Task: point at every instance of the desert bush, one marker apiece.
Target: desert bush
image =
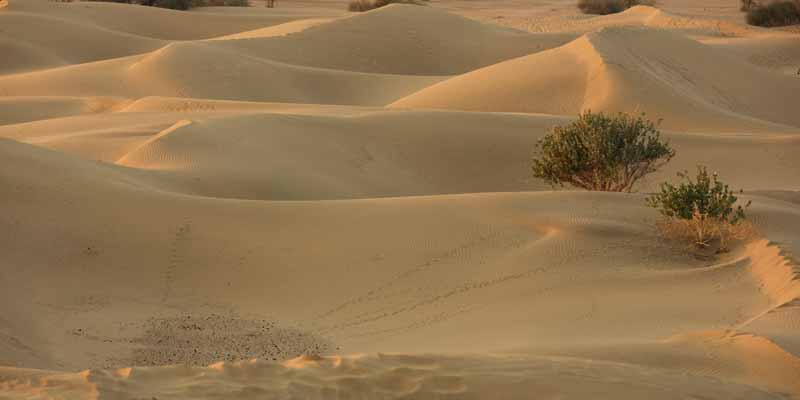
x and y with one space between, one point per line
702 210
605 7
182 4
366 5
224 3
776 13
601 152
175 4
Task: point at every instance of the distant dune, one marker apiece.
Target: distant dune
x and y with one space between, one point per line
301 202
423 41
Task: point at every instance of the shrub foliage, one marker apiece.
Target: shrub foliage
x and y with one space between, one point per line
705 205
601 152
775 13
605 7
182 4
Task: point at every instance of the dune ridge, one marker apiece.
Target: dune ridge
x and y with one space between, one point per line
780 277
16 110
362 43
173 71
355 149
395 375
617 69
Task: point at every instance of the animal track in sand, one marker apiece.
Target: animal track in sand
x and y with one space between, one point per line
490 238
175 261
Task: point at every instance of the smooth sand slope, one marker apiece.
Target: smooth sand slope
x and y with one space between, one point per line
85 32
590 271
668 76
268 153
200 69
400 39
14 110
218 204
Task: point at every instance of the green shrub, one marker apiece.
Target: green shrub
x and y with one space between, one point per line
366 5
705 208
777 13
601 152
605 7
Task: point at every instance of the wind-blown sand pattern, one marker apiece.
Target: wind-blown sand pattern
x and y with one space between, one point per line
302 202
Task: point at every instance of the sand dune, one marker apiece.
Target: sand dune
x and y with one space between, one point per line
264 202
778 53
620 69
150 22
276 30
359 152
65 42
86 32
420 41
390 375
464 270
16 110
200 70
651 17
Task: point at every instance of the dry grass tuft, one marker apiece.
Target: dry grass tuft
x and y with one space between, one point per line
707 234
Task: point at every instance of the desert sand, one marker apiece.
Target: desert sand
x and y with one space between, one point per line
302 202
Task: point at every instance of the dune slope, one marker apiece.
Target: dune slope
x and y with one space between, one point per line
273 152
463 270
201 70
622 69
399 39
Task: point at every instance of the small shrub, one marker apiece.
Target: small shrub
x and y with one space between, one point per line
181 4
776 13
360 5
224 3
175 4
366 5
701 210
605 7
600 152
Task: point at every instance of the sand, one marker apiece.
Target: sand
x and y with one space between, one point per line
301 202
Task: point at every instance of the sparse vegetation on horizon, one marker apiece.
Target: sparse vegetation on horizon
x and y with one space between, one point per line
366 5
182 4
601 152
605 7
747 5
702 210
773 13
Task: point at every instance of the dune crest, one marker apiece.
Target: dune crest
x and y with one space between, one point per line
427 41
396 375
619 69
